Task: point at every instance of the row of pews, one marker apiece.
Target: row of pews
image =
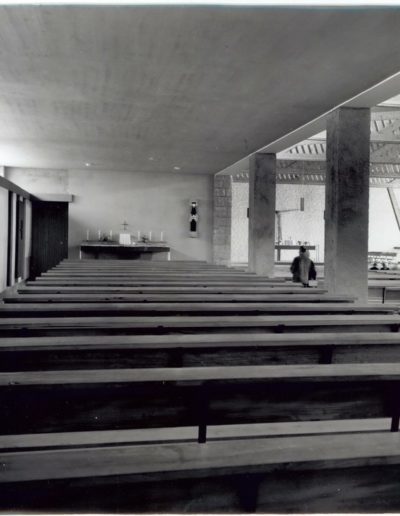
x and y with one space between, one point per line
132 386
383 285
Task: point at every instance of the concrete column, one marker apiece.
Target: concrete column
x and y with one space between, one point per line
262 192
222 220
346 202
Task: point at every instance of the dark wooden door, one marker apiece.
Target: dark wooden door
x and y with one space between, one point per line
20 239
10 255
49 235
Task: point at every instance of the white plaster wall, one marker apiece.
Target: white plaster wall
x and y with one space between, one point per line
148 202
383 230
384 234
3 237
304 226
37 180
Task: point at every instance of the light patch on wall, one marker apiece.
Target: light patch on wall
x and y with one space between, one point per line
308 226
297 225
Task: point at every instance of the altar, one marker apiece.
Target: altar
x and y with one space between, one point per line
113 250
291 247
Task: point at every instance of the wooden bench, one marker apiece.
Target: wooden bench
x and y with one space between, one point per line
391 294
138 351
37 469
176 308
154 273
377 288
155 281
26 326
232 289
43 401
301 474
166 266
177 297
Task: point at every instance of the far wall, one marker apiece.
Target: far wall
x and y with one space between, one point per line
102 200
309 225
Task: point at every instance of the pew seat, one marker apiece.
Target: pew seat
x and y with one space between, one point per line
25 326
135 282
157 274
188 289
176 297
104 399
174 308
343 472
145 351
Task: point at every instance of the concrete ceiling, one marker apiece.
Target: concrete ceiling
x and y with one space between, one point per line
161 89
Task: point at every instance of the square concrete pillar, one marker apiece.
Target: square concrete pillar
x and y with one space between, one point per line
346 202
222 220
262 193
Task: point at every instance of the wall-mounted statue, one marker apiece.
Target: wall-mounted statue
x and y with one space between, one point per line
193 220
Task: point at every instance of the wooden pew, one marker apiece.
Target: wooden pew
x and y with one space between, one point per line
276 475
377 289
232 289
110 261
33 472
176 308
145 351
160 397
179 298
391 294
152 273
120 265
191 324
155 281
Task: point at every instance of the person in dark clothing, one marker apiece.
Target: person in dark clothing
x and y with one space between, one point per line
303 268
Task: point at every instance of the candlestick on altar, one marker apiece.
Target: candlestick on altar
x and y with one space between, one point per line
162 236
87 235
138 234
110 234
150 235
99 234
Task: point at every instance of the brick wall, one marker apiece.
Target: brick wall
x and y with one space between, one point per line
222 219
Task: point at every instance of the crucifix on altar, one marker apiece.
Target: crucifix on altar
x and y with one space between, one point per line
125 237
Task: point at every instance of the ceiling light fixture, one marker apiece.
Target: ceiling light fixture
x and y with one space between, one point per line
177 168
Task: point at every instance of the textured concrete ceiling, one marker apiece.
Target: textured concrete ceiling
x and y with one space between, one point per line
159 89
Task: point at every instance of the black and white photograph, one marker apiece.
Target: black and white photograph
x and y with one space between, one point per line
199 257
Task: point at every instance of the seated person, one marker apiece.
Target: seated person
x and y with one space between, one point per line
303 268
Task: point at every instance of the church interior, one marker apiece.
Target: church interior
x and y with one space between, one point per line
199 258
